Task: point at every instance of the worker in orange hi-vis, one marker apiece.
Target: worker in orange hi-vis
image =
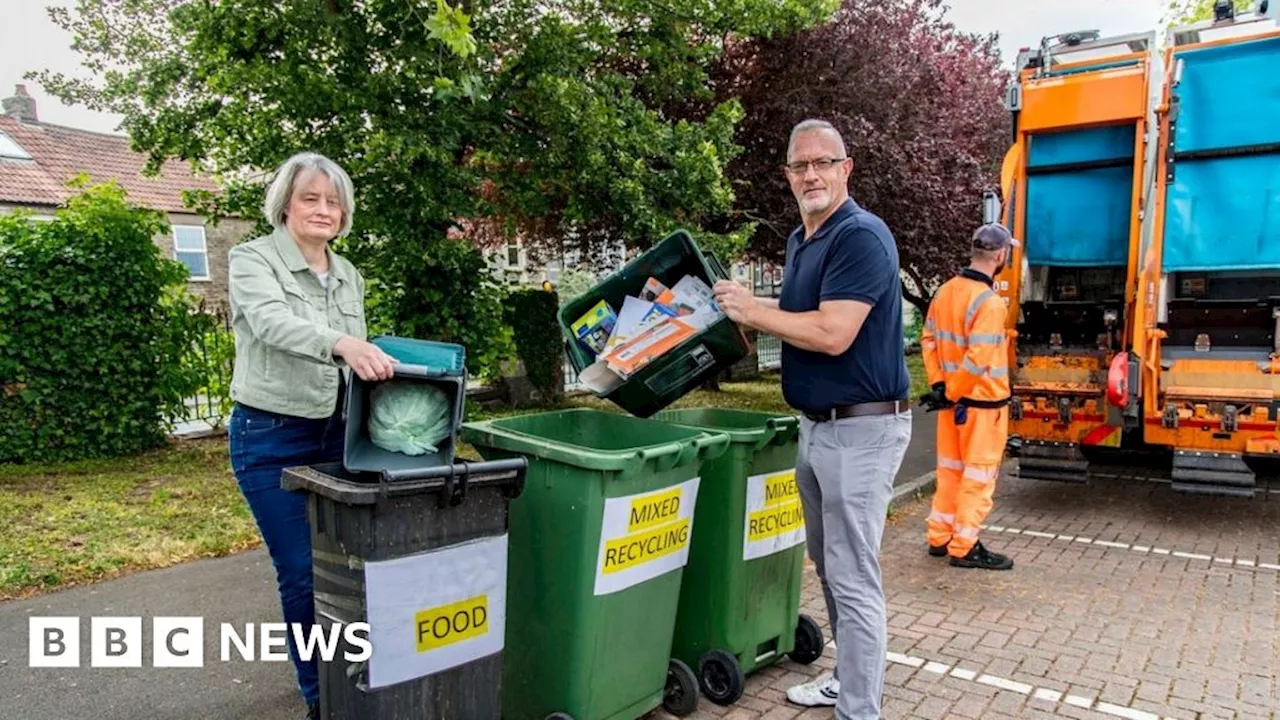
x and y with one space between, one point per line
966 356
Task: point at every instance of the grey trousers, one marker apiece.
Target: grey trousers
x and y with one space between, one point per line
845 470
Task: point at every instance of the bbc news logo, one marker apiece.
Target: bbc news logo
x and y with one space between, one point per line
178 642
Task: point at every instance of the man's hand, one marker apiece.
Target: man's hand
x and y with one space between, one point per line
936 398
366 359
736 301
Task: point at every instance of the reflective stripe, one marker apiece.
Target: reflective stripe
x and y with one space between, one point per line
973 369
949 367
950 463
951 338
944 518
976 304
982 475
965 532
931 324
985 339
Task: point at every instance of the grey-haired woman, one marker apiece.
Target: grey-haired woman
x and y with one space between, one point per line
297 312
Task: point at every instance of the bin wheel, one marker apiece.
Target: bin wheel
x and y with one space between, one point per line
559 716
680 697
721 677
809 641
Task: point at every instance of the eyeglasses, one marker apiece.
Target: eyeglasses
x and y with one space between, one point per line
821 165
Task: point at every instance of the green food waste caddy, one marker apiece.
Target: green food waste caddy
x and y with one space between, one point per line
598 542
740 599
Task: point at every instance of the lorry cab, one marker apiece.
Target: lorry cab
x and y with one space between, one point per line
1207 340
1072 186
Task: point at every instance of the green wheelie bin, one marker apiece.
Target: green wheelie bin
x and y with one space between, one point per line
740 600
598 543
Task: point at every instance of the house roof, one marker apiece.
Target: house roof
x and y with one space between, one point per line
59 153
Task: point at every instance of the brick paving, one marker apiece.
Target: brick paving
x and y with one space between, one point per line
1077 629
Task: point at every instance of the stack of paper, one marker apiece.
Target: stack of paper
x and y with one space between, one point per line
643 329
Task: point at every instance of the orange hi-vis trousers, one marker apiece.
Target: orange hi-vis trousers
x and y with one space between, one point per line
969 459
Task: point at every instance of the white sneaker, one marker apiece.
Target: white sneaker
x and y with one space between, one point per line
822 692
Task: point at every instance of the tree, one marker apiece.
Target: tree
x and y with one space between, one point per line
538 116
1184 12
919 105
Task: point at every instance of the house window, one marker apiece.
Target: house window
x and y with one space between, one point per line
189 248
513 254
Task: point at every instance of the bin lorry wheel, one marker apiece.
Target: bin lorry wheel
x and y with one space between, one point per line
680 697
559 716
721 677
809 641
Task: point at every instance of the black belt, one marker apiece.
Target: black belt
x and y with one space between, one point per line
988 404
887 407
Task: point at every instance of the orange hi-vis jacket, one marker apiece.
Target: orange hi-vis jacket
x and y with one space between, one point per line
964 342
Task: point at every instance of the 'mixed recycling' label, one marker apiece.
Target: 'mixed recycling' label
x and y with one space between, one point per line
435 610
644 536
775 517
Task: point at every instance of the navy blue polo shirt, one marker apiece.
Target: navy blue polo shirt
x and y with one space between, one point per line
853 256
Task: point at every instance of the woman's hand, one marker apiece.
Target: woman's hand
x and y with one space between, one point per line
368 360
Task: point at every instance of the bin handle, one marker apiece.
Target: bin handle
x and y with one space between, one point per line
717 268
785 428
664 457
710 447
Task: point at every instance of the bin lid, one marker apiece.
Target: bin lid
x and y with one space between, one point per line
742 426
440 358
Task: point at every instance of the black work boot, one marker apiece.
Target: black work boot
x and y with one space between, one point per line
938 550
980 557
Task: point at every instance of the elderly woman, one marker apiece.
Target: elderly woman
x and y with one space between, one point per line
298 314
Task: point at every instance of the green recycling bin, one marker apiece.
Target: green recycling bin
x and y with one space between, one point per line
598 542
740 599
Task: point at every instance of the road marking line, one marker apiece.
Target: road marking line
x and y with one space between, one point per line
1043 694
901 659
1003 684
1237 562
1126 712
1052 696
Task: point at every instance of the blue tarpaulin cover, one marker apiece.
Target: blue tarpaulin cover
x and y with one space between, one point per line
1080 217
1223 213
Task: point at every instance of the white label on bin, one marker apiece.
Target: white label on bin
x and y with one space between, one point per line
644 536
435 610
775 518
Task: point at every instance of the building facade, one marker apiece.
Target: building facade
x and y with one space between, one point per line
38 159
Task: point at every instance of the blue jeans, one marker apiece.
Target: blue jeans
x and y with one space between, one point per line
262 444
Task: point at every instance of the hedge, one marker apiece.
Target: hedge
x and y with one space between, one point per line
94 325
532 316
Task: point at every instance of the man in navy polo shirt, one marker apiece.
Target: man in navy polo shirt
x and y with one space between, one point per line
840 321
